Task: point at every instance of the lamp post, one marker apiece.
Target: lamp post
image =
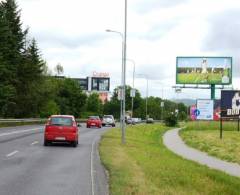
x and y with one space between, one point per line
121 87
123 80
133 62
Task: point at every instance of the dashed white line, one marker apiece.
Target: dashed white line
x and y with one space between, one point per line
12 153
21 131
36 142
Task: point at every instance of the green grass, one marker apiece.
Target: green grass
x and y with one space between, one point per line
145 166
205 137
199 78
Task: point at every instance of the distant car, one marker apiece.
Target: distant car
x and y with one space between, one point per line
108 120
94 121
61 128
150 120
135 121
128 121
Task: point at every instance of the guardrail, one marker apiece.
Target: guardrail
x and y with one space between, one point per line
32 120
21 120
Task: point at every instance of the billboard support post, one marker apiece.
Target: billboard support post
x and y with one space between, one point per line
212 91
221 128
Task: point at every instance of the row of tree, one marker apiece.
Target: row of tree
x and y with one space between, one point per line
27 89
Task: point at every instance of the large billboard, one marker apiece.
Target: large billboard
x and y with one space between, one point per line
230 104
204 70
205 108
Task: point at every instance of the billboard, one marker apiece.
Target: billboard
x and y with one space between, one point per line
100 84
217 110
205 108
204 70
192 112
230 103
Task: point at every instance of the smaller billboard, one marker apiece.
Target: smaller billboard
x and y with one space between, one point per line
204 70
217 110
230 103
205 108
192 112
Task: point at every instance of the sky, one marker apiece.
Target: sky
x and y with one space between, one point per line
73 33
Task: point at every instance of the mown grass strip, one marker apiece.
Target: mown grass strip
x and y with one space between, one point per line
144 166
205 137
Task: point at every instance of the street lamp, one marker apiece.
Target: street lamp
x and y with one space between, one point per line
121 87
123 80
132 81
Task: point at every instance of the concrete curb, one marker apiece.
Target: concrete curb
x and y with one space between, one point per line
174 142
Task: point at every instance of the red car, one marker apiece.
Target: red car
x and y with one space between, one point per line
61 128
94 121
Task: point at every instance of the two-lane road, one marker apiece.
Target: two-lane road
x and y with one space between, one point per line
29 168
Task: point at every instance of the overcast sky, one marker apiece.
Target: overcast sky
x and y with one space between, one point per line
73 33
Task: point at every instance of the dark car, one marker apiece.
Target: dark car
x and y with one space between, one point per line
61 128
94 121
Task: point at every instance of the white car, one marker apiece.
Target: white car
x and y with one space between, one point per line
108 120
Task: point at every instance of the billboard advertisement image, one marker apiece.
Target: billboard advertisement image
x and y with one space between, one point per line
230 104
205 108
204 70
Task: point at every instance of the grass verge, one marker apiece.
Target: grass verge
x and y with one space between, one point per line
205 137
144 166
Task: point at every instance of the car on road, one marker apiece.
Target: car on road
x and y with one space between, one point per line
94 121
150 120
108 120
61 128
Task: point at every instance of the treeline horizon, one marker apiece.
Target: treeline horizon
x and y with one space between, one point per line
28 88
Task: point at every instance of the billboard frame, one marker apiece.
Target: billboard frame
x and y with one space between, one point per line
214 57
212 100
232 118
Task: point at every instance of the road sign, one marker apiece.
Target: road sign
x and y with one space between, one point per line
162 104
120 94
132 92
196 112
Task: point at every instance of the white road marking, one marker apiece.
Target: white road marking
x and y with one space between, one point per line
36 142
12 153
92 171
17 132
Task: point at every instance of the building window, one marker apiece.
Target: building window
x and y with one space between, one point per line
100 84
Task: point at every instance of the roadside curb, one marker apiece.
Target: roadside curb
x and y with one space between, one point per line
174 142
100 176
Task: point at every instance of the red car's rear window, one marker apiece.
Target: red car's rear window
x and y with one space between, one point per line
94 118
61 121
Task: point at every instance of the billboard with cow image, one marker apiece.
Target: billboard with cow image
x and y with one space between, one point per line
204 70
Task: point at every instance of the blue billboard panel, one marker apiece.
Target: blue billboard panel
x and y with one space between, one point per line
230 103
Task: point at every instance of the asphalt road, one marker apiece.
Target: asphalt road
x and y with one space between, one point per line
29 168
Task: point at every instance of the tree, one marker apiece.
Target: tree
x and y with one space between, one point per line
12 42
70 97
94 104
113 107
30 77
58 69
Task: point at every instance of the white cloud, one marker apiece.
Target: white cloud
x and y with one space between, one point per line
73 33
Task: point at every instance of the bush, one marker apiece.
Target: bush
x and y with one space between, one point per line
49 109
171 120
